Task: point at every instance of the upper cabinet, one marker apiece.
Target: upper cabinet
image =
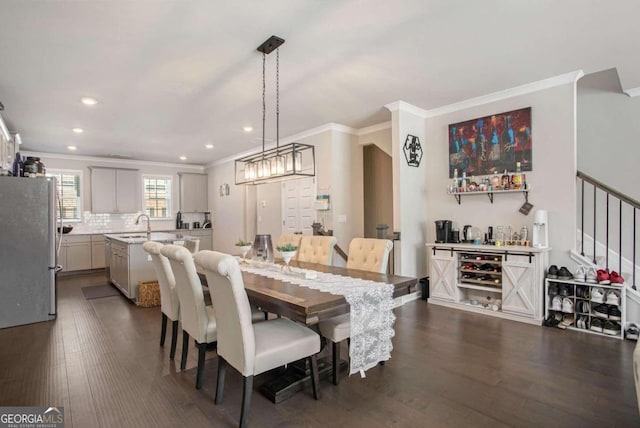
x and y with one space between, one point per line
115 190
193 193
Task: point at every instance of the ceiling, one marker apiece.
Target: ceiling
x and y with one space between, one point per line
174 75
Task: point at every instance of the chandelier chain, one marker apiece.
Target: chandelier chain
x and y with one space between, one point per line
264 105
277 98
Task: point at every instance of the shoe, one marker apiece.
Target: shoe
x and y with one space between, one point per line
580 322
592 275
583 307
551 321
632 332
603 277
580 291
597 295
563 290
553 289
552 272
601 311
596 325
564 273
614 313
581 274
612 328
567 305
556 303
616 278
612 298
567 320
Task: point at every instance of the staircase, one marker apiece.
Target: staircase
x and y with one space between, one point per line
607 235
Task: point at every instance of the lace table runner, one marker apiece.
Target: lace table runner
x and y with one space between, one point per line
371 310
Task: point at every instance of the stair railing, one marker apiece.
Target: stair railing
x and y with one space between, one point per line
623 201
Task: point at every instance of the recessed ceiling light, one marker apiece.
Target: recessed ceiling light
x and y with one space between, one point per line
78 130
88 101
209 146
247 128
183 157
72 148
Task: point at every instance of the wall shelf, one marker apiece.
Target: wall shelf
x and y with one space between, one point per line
458 195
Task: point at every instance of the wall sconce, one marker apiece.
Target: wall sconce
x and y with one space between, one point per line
224 190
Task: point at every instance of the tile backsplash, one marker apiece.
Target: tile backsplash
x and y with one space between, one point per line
114 223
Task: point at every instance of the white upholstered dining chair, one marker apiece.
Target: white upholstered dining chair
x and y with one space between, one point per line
251 348
193 245
366 254
198 320
169 302
316 249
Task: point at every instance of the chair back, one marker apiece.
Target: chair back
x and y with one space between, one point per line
290 239
316 249
194 316
236 340
369 254
169 303
193 245
636 370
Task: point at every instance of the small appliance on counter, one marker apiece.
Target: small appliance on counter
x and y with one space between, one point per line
179 220
443 231
540 230
467 235
207 221
196 225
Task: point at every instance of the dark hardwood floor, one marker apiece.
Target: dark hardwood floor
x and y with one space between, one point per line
102 361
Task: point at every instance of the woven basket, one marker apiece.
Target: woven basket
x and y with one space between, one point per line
148 294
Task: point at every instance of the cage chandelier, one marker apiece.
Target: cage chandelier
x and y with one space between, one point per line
293 160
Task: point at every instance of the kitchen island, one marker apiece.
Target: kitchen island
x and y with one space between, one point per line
127 264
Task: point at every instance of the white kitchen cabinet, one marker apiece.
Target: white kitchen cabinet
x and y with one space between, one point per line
130 265
115 190
520 295
75 253
193 193
97 252
205 236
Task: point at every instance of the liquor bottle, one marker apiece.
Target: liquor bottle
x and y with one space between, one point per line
517 177
455 184
505 181
463 184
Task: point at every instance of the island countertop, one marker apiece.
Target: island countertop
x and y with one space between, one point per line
141 237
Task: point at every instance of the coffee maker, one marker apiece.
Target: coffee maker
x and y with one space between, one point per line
540 233
443 231
207 221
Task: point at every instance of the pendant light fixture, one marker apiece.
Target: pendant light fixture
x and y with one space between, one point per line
293 160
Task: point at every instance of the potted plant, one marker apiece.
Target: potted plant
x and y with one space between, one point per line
244 247
287 251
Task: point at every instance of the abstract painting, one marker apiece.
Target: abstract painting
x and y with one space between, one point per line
491 144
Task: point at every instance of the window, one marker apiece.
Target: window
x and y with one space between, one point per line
70 202
157 197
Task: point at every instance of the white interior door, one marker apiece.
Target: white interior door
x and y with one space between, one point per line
298 209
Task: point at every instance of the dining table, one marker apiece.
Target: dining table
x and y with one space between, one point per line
309 306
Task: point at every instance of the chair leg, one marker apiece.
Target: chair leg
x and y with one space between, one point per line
222 365
246 400
202 350
185 349
335 362
315 378
174 339
163 331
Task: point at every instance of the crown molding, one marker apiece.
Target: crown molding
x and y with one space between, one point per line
633 92
373 128
527 88
111 160
406 107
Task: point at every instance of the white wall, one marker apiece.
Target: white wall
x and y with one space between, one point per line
381 138
552 180
409 195
269 209
608 132
119 222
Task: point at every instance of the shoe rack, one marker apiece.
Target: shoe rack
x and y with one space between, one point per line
572 290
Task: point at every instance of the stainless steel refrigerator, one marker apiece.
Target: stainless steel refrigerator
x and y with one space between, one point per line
27 250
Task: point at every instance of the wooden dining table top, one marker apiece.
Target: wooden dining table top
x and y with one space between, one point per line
307 305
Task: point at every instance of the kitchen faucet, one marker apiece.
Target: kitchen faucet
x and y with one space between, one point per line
148 225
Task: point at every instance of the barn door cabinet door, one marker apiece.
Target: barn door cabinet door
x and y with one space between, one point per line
443 276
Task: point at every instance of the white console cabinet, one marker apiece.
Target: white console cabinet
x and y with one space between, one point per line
506 282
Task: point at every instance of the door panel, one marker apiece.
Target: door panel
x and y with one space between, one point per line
298 209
